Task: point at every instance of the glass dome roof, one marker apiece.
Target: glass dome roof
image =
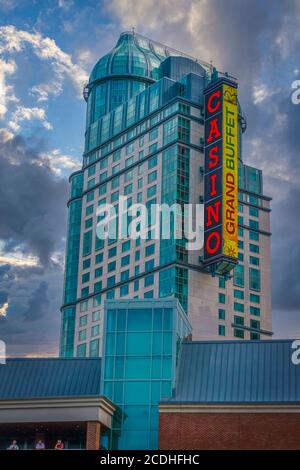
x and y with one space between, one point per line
133 55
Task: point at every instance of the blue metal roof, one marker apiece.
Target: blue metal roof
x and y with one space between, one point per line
237 372
49 377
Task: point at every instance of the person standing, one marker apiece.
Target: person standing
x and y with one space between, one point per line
40 445
59 445
13 445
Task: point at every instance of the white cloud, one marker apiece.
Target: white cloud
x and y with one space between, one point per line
3 309
5 135
58 162
21 261
6 91
65 4
42 91
260 93
28 114
13 40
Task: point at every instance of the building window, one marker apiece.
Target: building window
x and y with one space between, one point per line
254 260
150 250
152 162
116 155
254 279
149 265
124 290
85 292
253 248
152 176
149 280
222 282
95 331
90 196
254 311
149 294
128 189
84 306
82 335
238 320
96 315
239 333
254 236
97 300
238 307
254 336
85 278
98 272
82 321
111 281
238 276
125 260
94 348
81 350
238 294
102 176
112 252
153 134
255 324
126 246
253 211
111 266
129 148
125 275
89 209
86 263
151 191
254 224
99 258
222 298
102 189
115 182
241 244
254 298
222 314
97 287
222 330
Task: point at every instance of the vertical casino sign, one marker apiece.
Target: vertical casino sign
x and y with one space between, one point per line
221 176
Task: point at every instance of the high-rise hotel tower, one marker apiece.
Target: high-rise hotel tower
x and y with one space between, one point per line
145 140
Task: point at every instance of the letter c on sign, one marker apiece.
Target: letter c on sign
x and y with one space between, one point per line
213 107
212 243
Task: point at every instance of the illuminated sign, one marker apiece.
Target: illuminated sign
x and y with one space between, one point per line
221 175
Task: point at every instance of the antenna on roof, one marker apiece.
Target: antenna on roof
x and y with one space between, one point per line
132 30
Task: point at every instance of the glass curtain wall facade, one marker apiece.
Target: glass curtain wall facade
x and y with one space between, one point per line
141 346
147 145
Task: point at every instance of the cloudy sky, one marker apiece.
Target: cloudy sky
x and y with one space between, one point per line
47 50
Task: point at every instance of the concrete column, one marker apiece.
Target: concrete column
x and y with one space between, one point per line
93 432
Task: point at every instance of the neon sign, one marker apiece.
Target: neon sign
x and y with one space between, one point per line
221 176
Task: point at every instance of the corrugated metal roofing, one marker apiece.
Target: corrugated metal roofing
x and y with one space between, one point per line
49 377
237 372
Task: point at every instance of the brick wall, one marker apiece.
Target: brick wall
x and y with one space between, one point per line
93 435
229 431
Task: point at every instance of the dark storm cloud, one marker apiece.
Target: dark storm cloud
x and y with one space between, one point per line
33 318
38 303
32 201
32 220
